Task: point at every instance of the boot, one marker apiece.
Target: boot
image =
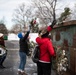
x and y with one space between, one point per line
23 73
2 67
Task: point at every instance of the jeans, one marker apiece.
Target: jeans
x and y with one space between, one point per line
22 60
43 68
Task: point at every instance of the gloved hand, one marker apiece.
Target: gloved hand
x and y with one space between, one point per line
29 28
54 57
53 23
28 31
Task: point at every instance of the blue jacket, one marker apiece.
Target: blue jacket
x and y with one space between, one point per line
23 42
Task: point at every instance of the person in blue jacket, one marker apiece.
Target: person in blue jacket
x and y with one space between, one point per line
23 51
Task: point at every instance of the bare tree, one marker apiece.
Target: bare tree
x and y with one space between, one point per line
15 29
3 20
21 15
3 29
46 10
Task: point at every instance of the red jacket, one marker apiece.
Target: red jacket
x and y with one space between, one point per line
2 43
46 49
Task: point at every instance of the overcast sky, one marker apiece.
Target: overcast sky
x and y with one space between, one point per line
7 8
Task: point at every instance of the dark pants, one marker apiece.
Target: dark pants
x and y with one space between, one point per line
2 58
43 68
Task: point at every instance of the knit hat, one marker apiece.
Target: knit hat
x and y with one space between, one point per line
1 34
20 35
44 32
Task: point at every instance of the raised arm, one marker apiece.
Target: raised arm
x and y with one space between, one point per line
26 35
50 27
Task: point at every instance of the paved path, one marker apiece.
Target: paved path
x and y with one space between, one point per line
12 61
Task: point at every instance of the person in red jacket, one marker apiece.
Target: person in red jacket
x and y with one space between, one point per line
46 51
2 43
2 54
